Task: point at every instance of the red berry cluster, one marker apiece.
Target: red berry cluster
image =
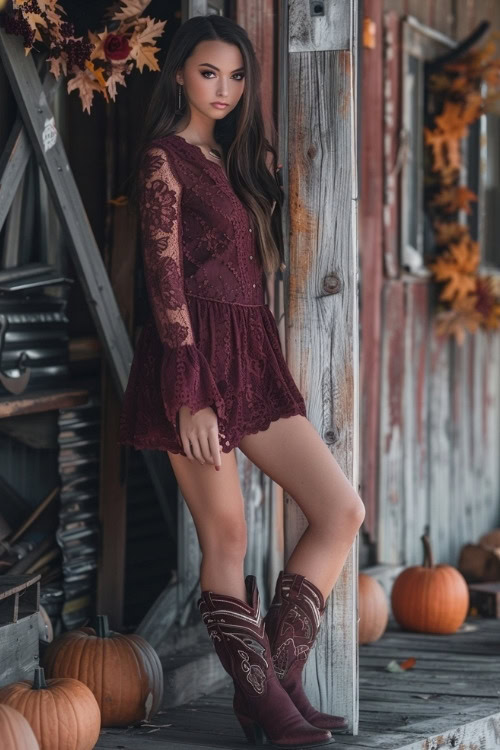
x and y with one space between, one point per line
67 29
77 51
15 23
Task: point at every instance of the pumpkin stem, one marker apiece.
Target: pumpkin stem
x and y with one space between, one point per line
39 680
428 559
102 626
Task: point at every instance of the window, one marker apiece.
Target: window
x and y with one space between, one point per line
419 43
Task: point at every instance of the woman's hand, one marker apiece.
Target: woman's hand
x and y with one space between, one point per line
200 435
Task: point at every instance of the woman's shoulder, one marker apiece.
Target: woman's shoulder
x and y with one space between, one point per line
165 153
173 143
165 142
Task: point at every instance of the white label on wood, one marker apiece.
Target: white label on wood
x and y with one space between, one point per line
49 135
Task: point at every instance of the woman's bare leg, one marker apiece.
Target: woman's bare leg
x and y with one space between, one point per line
216 503
293 454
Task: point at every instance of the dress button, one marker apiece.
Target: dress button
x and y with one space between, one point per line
250 230
253 284
250 256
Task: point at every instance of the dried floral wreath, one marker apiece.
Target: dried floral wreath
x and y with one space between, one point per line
469 299
95 62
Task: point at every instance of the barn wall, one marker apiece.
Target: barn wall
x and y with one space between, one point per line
434 465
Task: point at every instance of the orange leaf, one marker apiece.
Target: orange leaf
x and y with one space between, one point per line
408 663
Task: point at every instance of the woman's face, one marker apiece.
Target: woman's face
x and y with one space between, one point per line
213 73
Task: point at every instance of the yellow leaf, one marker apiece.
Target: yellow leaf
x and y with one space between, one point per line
145 56
131 8
97 73
98 51
122 200
35 18
151 31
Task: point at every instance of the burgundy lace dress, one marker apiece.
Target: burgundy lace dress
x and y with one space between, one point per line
211 339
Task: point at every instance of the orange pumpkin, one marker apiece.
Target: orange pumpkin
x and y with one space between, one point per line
124 672
430 598
62 712
373 609
15 731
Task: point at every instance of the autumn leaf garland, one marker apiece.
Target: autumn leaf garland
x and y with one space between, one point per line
97 62
469 300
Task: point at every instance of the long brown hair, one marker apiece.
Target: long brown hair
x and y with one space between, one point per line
241 133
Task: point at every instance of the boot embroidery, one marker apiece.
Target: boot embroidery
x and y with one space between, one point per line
252 644
257 648
286 655
255 675
292 619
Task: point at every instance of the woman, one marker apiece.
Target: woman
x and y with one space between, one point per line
209 374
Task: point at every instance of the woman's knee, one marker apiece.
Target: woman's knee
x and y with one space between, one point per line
350 513
225 537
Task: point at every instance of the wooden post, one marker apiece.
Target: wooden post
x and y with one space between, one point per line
319 70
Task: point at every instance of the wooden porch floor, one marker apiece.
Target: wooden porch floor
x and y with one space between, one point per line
449 699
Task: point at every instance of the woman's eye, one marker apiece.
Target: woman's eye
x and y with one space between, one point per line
211 71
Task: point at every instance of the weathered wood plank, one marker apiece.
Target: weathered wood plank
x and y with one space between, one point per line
393 143
371 256
439 489
415 420
19 649
322 335
391 467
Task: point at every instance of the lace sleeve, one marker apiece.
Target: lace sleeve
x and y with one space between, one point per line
186 378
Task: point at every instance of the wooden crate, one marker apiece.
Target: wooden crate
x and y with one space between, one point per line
19 607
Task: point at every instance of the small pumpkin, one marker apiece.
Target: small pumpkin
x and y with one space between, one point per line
124 672
373 609
15 731
62 712
430 598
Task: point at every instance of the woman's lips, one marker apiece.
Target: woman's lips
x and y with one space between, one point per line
219 106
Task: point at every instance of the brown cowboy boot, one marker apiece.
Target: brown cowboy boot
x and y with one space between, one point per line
292 624
261 705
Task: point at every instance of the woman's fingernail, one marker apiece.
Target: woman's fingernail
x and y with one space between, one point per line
217 468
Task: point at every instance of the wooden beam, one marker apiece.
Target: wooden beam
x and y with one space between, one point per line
321 299
41 401
17 152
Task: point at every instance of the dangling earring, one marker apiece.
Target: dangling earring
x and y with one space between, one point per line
179 103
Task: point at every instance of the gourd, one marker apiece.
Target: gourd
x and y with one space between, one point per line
373 609
62 712
124 672
15 731
430 598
